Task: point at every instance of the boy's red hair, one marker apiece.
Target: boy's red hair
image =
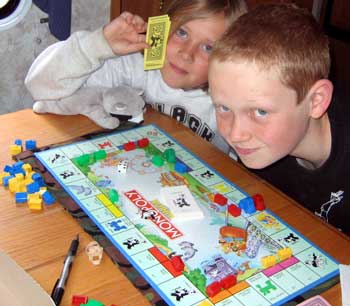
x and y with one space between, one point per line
280 37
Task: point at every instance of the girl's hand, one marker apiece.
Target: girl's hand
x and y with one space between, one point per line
125 34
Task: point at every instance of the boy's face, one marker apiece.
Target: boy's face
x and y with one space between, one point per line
256 113
188 49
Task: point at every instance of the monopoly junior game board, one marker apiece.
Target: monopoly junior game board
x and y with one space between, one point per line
195 237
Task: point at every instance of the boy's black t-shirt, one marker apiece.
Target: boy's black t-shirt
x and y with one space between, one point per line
326 190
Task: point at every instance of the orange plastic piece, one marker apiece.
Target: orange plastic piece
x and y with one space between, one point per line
233 232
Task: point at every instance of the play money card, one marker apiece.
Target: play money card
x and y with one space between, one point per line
157 37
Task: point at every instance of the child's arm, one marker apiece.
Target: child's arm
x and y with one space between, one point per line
66 66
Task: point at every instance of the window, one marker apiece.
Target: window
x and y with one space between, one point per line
12 12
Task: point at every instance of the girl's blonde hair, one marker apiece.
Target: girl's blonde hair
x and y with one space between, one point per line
182 11
282 38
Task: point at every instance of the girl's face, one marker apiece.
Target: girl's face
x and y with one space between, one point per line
188 49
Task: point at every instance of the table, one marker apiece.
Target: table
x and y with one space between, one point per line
38 242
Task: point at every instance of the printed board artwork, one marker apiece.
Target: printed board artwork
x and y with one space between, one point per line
227 251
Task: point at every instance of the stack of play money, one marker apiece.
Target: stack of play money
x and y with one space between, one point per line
157 37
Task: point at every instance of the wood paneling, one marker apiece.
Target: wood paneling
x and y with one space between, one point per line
302 3
144 8
115 8
340 16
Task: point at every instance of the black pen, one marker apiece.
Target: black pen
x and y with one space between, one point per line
58 290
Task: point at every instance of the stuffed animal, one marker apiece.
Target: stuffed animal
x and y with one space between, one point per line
105 106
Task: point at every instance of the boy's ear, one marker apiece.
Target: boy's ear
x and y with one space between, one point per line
320 97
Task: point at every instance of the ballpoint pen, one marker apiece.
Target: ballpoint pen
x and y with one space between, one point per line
58 289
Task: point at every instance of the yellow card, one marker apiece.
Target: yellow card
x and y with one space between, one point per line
157 37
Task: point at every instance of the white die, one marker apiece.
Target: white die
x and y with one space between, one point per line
122 166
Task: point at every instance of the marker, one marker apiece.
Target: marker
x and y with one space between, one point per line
58 289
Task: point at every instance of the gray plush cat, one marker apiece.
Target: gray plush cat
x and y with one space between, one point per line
105 106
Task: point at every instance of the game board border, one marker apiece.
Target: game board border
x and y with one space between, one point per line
290 297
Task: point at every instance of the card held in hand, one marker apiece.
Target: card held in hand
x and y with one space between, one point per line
157 37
